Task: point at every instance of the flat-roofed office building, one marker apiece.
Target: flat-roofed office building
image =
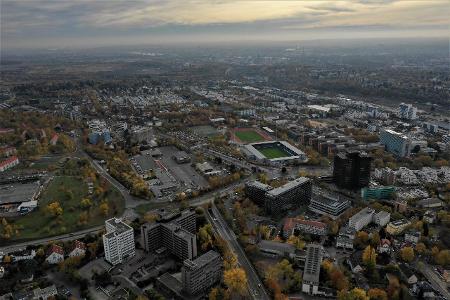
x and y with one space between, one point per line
329 206
278 200
202 273
314 255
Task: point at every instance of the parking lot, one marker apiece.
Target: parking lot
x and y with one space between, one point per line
184 175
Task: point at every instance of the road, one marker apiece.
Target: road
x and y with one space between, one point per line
61 238
434 279
254 282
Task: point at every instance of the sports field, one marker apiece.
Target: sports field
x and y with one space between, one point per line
273 152
249 136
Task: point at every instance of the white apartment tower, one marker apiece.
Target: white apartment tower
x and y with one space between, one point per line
118 241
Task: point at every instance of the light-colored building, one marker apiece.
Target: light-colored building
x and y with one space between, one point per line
118 241
381 218
366 216
78 249
395 143
329 206
361 219
55 255
397 227
407 111
345 238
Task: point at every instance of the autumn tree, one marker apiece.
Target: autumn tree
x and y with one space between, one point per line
407 254
104 208
83 218
377 294
369 256
236 281
421 248
229 260
55 209
296 241
205 235
443 257
361 239
86 203
335 275
218 294
354 294
151 217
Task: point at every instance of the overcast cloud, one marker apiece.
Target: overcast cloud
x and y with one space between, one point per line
87 23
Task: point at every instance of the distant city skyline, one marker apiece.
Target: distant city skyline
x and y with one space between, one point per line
88 24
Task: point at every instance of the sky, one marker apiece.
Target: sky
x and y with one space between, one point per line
42 24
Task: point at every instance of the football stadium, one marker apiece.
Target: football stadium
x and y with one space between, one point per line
275 152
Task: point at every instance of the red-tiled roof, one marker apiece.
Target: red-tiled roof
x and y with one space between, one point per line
8 161
385 241
290 223
54 138
56 249
78 245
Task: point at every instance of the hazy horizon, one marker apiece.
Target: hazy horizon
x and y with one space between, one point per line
28 25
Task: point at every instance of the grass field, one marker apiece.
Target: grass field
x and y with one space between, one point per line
249 136
273 152
68 191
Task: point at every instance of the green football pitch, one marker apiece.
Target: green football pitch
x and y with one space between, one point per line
273 152
249 136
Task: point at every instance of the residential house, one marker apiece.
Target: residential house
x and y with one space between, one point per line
355 262
55 255
384 246
78 249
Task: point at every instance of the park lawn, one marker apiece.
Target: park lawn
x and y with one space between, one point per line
272 153
68 191
249 136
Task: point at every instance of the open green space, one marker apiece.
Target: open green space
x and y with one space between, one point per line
144 208
249 136
273 152
68 191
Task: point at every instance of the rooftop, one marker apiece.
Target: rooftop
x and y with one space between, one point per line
202 260
312 264
119 225
18 192
288 186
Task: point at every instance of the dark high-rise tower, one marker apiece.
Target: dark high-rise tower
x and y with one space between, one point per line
351 170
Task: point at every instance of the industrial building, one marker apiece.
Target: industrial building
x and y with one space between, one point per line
314 255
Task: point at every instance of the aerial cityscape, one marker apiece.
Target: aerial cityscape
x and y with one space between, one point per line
224 150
